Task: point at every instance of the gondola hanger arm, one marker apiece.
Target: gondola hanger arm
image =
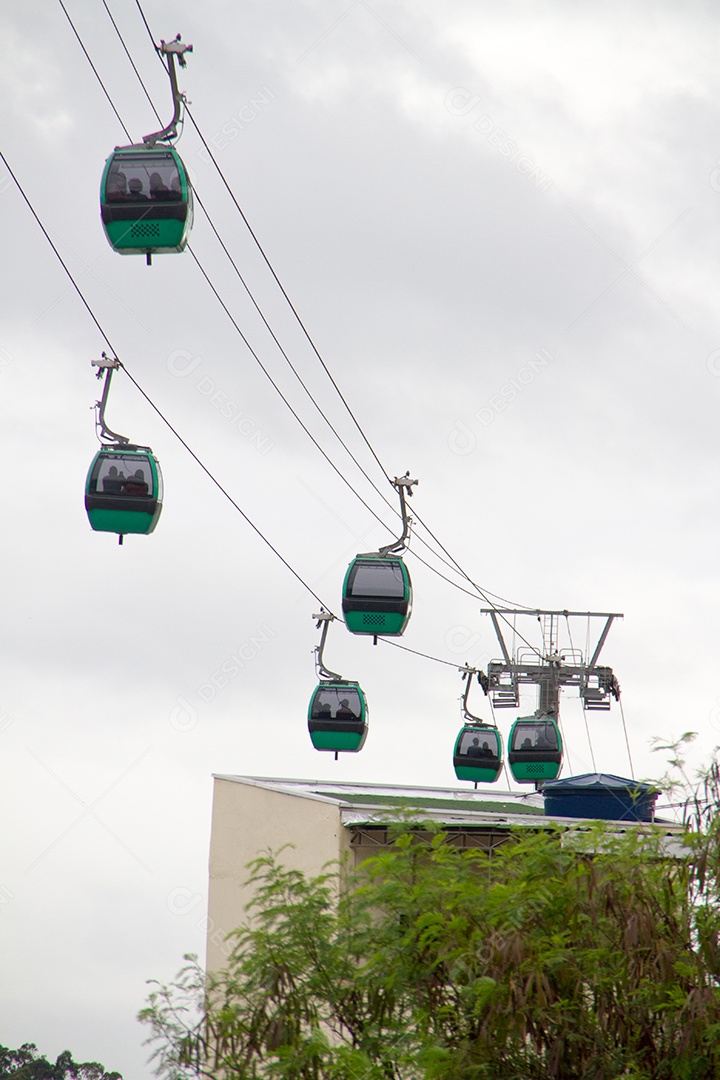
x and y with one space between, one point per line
324 618
106 366
175 48
401 485
467 673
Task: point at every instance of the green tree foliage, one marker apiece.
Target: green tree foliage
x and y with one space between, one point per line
560 955
26 1064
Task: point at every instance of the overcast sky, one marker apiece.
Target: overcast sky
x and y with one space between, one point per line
499 223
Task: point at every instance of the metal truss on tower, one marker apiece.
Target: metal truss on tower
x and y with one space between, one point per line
550 668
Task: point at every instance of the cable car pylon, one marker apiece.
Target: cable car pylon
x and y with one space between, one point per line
124 487
377 590
337 713
535 745
145 196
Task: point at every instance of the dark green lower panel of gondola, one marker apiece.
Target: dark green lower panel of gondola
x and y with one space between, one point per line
338 717
535 749
149 234
124 492
478 754
377 596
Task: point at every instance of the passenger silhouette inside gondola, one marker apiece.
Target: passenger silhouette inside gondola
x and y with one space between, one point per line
136 190
475 749
345 712
117 187
158 190
136 484
112 483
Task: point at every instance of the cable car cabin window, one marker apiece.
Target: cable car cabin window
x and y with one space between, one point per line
138 178
377 579
539 736
479 744
119 475
335 703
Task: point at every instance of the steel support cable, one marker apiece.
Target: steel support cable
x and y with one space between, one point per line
265 321
87 55
452 563
249 291
287 359
135 383
270 267
132 62
462 573
312 343
585 716
565 741
627 741
589 738
95 71
254 354
289 301
317 445
275 386
484 594
325 368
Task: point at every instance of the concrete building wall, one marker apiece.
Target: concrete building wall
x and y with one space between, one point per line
247 820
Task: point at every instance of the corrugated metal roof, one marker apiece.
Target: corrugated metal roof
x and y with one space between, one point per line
388 796
373 804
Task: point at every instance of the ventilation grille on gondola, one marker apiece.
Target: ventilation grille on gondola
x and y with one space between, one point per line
531 767
373 620
145 230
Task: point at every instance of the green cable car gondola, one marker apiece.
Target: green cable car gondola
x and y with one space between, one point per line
146 201
124 487
337 714
535 749
478 754
338 717
377 591
377 595
124 490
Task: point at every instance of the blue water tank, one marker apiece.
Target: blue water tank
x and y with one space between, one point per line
600 796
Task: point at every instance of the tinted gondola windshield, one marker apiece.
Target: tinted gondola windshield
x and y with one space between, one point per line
336 703
376 579
143 178
539 736
115 474
479 744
